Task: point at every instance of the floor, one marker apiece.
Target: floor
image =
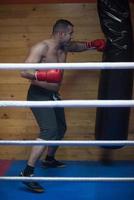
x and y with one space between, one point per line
70 190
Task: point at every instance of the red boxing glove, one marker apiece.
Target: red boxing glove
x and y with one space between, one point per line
50 76
99 44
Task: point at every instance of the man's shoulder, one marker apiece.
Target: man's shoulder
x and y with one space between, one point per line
40 45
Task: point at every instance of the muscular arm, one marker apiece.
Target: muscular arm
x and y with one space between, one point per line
98 44
35 56
74 46
49 86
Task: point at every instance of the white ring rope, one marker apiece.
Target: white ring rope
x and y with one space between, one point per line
69 142
69 103
82 65
100 179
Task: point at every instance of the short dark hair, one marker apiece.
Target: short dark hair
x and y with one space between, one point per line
61 24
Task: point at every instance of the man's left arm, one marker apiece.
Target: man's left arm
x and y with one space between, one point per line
74 46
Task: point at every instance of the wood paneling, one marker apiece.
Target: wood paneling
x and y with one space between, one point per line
48 1
45 1
22 26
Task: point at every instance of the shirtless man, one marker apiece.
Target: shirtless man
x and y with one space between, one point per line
45 86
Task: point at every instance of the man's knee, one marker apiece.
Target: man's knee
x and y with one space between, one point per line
48 134
61 133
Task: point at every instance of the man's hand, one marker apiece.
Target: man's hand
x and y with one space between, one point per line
50 76
98 44
28 74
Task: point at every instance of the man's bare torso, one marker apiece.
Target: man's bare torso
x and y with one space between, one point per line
52 52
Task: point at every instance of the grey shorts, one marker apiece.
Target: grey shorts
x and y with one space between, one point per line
51 121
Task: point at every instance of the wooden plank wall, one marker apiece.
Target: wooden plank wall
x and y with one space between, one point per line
48 1
20 27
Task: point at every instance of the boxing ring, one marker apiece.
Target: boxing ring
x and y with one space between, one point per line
69 103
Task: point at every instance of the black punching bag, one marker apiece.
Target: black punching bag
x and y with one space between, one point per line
112 123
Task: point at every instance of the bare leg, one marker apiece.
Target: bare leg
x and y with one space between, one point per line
29 169
35 154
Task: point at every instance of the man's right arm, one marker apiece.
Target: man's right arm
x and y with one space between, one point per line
34 56
49 86
50 79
